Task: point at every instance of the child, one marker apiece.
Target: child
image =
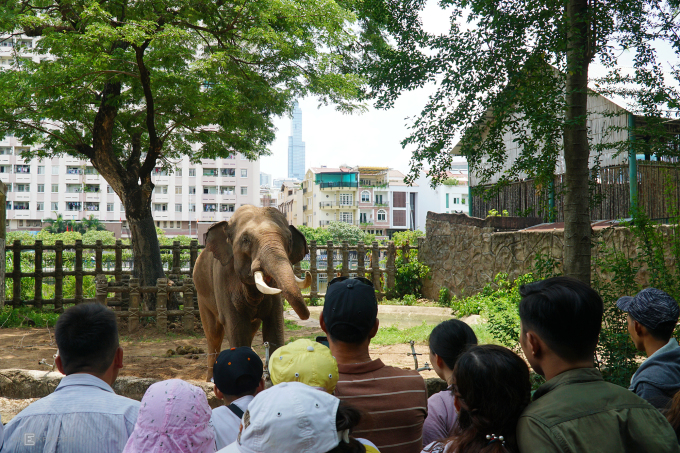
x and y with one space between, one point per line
237 375
447 342
304 361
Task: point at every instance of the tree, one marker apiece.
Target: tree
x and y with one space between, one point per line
524 67
93 224
57 225
133 85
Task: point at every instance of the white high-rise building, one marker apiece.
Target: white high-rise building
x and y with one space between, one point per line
184 201
296 147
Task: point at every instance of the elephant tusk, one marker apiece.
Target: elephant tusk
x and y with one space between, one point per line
304 283
262 286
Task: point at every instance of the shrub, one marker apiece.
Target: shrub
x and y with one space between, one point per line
444 296
409 277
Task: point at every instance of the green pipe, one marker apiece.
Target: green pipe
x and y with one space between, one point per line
632 162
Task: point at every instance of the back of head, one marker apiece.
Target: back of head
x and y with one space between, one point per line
174 417
350 309
238 371
449 339
565 313
304 361
87 338
492 387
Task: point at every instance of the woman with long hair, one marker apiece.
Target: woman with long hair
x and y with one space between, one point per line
491 389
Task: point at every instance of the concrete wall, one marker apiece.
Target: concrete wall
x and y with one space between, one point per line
465 253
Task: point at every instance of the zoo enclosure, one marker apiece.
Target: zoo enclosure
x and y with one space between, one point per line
111 268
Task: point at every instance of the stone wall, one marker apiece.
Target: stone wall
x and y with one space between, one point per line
464 254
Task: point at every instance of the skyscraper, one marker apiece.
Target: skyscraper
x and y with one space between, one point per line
296 147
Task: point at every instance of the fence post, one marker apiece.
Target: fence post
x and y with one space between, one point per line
314 290
375 265
361 259
188 298
118 269
102 286
37 265
406 252
98 256
391 255
16 274
79 271
161 305
345 259
330 267
193 255
3 236
176 252
133 310
59 276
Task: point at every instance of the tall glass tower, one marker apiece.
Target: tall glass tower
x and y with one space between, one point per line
296 147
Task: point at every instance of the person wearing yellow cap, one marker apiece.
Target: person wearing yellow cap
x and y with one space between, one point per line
304 361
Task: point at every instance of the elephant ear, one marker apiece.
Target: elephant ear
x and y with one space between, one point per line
217 241
299 245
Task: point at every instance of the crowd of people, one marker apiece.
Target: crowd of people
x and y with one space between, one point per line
338 399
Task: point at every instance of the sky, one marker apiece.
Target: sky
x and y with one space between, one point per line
370 139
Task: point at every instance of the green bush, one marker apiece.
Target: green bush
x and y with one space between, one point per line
444 298
409 277
27 317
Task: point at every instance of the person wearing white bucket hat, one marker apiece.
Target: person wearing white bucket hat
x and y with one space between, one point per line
292 417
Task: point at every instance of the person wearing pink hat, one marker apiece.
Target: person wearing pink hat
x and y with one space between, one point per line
173 417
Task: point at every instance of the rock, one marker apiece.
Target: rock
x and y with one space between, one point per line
169 353
435 385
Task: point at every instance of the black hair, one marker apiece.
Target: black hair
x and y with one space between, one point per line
566 313
492 387
348 417
663 331
347 334
87 338
449 339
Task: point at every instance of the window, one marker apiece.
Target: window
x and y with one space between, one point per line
462 201
192 190
34 223
69 171
92 188
41 169
226 208
162 207
55 188
178 207
21 205
192 207
160 171
447 201
122 208
192 172
70 188
74 206
9 187
40 206
5 150
55 170
22 187
382 215
209 207
363 217
399 199
109 189
8 205
365 196
160 190
178 190
91 171
210 172
19 169
91 206
5 168
231 156
346 199
228 190
54 206
229 172
209 190
244 191
399 218
178 172
109 207
346 217
244 173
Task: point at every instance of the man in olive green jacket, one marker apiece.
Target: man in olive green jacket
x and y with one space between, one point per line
576 410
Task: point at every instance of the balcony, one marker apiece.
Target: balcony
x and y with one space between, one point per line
337 205
304 207
338 185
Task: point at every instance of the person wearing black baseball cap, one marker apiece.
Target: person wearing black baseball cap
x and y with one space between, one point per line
390 396
237 375
652 317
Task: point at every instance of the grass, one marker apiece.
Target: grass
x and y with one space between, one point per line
396 335
291 325
27 317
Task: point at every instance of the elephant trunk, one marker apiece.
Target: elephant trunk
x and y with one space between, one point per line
275 264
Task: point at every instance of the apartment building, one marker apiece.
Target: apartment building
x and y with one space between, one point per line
290 203
330 194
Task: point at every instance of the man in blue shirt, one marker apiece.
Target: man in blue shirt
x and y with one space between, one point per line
83 415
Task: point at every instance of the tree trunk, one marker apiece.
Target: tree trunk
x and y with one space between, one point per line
576 150
148 266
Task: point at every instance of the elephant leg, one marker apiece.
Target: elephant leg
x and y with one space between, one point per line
272 325
254 326
214 333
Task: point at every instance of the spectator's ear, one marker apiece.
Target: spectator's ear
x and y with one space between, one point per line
322 324
374 330
218 394
59 364
639 329
118 358
261 387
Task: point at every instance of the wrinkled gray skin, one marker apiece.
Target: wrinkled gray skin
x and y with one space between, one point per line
255 239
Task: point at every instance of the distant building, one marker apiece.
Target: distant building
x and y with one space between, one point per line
265 180
290 203
446 198
296 147
330 194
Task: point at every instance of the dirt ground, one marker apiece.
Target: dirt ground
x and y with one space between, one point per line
146 351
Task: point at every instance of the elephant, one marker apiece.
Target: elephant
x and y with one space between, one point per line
241 275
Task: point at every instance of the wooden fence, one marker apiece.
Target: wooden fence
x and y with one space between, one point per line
373 261
658 183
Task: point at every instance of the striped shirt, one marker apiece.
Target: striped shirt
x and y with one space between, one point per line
83 415
394 403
